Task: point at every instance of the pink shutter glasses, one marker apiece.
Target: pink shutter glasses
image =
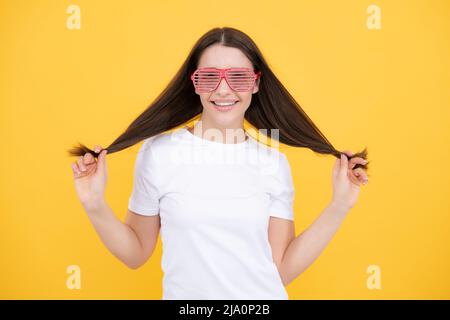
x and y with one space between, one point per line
239 79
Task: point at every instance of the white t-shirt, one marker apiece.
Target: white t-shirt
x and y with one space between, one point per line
214 201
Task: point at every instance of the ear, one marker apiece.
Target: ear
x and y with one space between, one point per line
256 87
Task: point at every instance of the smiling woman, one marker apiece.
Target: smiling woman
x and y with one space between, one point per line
227 229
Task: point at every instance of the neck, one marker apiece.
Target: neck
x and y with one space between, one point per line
220 134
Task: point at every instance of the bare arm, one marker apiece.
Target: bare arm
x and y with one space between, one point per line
281 234
132 241
305 248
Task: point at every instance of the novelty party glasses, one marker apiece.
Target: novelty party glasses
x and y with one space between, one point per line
238 79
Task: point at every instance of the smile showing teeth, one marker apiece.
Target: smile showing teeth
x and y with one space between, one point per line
224 104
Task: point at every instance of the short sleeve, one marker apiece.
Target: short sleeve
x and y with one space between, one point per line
144 198
282 191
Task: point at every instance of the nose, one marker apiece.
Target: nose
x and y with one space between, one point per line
223 86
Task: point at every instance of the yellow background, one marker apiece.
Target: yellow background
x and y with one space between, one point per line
385 89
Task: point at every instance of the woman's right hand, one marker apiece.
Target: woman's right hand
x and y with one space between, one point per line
90 177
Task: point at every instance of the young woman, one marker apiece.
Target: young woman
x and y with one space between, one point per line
226 227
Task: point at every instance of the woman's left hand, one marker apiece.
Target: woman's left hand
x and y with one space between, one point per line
347 181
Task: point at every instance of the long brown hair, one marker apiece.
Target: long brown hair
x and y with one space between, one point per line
272 107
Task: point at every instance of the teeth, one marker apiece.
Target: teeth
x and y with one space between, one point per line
224 104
